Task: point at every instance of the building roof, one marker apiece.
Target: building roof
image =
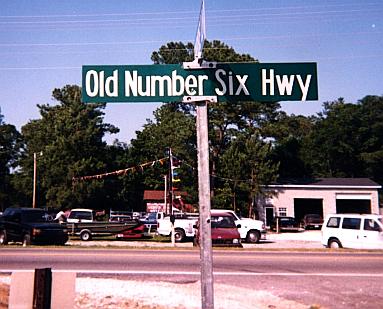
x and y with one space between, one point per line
327 183
158 195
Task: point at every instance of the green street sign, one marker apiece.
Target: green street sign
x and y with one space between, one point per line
263 82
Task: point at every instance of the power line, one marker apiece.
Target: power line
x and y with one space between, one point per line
192 12
212 18
350 57
183 40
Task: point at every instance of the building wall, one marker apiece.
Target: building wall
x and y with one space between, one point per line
284 198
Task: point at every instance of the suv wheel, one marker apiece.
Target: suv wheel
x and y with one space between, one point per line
26 240
253 236
334 244
179 235
3 238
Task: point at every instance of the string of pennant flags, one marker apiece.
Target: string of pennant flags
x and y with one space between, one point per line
121 172
174 171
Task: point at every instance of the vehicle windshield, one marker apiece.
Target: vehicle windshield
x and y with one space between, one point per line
152 216
34 216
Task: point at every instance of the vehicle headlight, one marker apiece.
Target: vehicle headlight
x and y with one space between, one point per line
65 231
36 232
236 241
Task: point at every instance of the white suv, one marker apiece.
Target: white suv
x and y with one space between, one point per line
353 231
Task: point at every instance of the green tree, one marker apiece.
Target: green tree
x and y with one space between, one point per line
288 133
10 147
346 140
246 166
173 129
226 120
70 137
332 147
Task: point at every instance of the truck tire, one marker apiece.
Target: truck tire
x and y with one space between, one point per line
26 240
253 236
85 235
3 238
179 235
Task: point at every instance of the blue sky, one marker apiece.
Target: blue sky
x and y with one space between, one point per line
44 43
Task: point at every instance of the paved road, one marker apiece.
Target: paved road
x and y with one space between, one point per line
331 279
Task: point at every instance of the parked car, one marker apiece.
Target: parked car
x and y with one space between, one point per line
30 226
285 224
224 231
251 231
356 231
312 221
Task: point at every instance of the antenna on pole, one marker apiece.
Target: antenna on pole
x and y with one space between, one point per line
201 34
198 62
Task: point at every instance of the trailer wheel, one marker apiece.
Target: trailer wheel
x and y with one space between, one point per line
85 235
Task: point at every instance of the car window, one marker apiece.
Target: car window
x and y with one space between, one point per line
351 223
222 222
371 225
333 222
82 215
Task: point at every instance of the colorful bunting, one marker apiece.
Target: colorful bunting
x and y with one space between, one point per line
120 172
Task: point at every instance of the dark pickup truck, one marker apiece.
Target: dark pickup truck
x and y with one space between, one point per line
30 226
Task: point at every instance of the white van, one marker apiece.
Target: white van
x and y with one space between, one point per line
353 231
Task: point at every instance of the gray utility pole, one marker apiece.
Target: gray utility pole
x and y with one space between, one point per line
206 252
35 178
207 289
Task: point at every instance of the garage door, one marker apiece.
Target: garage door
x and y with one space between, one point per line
304 206
353 203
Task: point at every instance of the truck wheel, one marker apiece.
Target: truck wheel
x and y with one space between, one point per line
85 236
3 238
253 236
334 243
26 240
179 235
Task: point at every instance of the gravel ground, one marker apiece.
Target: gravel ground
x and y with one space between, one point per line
122 294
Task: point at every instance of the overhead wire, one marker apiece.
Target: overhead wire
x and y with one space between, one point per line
219 20
215 11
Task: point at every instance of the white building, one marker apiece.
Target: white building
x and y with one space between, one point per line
320 196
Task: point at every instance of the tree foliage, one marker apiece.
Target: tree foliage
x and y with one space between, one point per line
226 121
10 148
68 141
347 140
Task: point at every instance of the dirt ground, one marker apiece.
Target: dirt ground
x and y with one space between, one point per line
4 295
120 294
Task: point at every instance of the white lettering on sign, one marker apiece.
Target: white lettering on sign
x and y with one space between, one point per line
96 85
221 74
174 85
285 83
